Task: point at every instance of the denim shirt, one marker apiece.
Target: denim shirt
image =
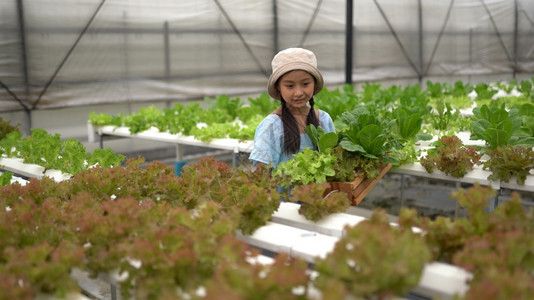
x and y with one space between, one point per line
269 139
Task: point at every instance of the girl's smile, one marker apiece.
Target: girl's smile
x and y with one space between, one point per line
296 88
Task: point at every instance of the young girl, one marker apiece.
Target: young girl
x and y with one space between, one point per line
294 81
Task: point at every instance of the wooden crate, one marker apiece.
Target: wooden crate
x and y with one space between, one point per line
357 189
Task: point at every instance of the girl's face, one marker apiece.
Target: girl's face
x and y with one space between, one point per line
296 88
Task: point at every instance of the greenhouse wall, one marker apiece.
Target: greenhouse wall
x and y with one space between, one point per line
61 54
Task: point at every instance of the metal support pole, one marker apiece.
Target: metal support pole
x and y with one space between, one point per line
235 158
470 51
24 57
497 32
457 207
439 38
401 46
471 45
28 129
167 49
179 152
420 17
241 38
167 58
275 27
179 163
495 200
68 54
402 191
126 60
113 289
348 42
516 34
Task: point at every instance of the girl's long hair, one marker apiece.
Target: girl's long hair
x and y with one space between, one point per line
291 128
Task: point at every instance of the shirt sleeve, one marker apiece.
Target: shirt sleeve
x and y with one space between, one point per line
267 141
325 121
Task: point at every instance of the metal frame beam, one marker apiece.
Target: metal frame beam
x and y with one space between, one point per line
496 29
60 66
312 20
527 16
531 23
439 38
240 36
9 91
394 33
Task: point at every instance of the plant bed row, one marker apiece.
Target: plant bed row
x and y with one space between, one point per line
171 236
43 154
388 125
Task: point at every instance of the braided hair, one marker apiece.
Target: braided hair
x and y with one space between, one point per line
291 128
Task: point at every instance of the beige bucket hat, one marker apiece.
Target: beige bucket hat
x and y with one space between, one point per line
293 59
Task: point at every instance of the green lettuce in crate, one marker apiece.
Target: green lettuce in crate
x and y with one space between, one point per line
310 166
308 173
368 138
305 167
363 133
